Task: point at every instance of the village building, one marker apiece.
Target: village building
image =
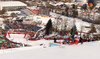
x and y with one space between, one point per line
12 5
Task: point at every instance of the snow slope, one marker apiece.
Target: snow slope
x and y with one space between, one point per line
19 38
88 50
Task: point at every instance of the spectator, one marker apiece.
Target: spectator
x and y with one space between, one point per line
55 40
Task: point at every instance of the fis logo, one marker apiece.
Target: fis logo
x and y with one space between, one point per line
92 3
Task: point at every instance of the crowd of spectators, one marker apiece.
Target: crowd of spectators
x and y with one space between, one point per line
18 25
85 38
30 29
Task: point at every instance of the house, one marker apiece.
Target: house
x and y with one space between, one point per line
12 5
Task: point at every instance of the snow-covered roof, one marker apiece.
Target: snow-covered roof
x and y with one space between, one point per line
60 3
81 2
1 19
69 3
98 5
12 3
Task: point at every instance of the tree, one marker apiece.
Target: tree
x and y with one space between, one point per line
22 0
73 30
93 29
28 4
48 27
97 21
6 21
84 6
13 15
3 11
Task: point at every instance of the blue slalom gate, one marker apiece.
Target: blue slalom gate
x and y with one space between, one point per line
53 44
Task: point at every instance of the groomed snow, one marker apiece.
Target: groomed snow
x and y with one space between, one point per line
89 50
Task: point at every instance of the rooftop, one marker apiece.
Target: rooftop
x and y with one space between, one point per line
12 3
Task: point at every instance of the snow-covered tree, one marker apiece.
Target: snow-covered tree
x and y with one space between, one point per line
3 11
93 29
48 27
75 29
